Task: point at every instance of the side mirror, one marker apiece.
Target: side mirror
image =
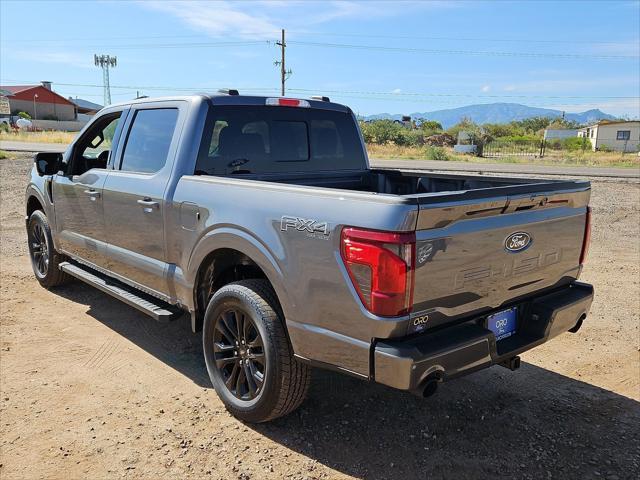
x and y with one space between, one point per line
47 163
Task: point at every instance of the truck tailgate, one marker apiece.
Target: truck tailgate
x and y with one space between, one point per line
477 254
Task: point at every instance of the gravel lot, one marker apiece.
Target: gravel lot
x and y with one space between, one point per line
90 388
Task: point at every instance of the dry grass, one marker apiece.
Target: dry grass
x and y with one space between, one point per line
39 137
591 159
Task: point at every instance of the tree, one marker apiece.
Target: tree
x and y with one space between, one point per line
464 125
382 132
429 125
497 130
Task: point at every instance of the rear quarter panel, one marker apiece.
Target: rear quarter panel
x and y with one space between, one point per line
293 233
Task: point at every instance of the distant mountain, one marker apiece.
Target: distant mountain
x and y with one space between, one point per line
496 113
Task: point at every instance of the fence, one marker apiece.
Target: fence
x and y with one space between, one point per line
534 148
510 148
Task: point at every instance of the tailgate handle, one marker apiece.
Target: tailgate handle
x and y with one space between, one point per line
526 204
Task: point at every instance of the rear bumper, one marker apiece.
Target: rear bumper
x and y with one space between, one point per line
409 363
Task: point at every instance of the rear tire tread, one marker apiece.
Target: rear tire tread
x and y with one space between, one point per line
55 277
294 375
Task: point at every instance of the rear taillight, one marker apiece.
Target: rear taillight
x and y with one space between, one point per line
381 267
286 102
587 237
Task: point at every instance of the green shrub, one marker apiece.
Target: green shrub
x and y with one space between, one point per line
429 127
520 139
554 144
4 128
575 144
381 132
498 130
466 125
3 155
410 138
605 148
24 115
436 153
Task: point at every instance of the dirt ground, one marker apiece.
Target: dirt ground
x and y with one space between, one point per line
90 388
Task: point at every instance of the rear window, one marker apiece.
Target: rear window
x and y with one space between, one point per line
249 139
149 140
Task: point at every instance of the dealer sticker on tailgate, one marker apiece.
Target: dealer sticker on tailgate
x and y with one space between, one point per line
503 324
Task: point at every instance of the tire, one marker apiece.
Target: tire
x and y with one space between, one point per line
280 382
44 258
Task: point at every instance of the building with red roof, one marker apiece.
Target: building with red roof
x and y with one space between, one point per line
40 101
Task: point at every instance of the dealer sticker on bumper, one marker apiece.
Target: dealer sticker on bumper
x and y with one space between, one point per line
503 324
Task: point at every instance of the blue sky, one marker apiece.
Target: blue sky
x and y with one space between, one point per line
376 56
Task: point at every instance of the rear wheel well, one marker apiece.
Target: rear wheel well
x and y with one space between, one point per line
220 268
33 204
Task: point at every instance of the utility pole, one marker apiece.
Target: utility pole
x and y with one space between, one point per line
284 73
105 61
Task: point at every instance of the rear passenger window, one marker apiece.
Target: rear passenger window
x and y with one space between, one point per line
149 140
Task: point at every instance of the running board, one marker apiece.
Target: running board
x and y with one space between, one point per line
155 308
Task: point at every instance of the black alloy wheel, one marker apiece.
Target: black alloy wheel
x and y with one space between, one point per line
45 260
239 354
247 353
39 248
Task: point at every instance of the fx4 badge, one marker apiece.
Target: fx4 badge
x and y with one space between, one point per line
312 228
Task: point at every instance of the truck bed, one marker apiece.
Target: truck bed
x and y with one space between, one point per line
462 221
403 183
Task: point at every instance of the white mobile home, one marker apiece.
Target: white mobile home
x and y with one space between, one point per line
621 136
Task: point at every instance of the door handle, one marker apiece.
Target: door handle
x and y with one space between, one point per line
93 194
148 204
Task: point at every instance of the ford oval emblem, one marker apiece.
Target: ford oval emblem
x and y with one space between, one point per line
517 242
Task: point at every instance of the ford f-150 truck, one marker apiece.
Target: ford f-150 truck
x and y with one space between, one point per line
262 219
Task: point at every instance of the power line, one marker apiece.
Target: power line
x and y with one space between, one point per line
136 46
454 39
467 95
333 34
344 92
454 104
426 51
140 37
137 87
462 52
190 45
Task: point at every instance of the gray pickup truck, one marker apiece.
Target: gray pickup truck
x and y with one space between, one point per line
262 219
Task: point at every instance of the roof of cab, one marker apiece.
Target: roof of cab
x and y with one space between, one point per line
224 99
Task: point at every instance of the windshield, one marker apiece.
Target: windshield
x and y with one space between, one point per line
250 139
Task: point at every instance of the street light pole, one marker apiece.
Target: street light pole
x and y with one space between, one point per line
35 111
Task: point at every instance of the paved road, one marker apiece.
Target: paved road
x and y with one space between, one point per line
32 146
508 168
